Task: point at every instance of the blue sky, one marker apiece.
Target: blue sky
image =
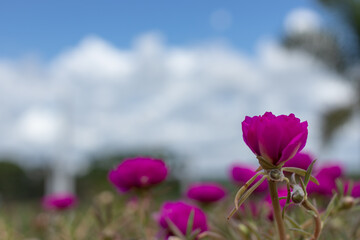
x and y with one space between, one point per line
45 28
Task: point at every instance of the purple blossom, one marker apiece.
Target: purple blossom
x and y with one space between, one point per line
327 180
282 192
178 213
275 138
139 172
206 192
59 201
300 160
355 191
240 174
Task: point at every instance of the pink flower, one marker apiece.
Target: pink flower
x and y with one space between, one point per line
252 207
139 172
240 174
300 160
355 192
327 180
206 192
275 138
178 213
282 192
59 201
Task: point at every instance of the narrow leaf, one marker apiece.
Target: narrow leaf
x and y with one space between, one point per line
303 186
308 173
340 187
174 229
287 200
243 189
292 222
190 223
330 207
300 172
246 195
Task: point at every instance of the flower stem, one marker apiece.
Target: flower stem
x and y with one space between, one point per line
318 225
277 210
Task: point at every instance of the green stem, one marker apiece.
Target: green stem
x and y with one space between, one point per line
277 210
318 225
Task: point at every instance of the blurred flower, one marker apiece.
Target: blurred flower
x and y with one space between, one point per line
178 213
139 172
355 191
282 192
275 138
59 201
300 160
240 174
206 192
252 207
327 180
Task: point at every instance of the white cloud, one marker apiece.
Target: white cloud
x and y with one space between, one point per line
302 20
190 99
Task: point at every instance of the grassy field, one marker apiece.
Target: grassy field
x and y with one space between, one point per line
112 216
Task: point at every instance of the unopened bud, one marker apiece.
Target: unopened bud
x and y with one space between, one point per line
276 175
347 202
297 195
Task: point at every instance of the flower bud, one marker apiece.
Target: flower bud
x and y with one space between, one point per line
276 175
297 195
347 202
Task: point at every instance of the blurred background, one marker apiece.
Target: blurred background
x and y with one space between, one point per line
84 85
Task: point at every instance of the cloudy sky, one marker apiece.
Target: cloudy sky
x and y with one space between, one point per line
83 79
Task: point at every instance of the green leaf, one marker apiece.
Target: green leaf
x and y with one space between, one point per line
246 195
287 200
340 187
308 173
190 223
174 229
350 188
194 234
292 222
299 230
330 207
243 189
300 172
303 186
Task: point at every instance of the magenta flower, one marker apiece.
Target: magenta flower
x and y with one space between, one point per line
252 207
327 180
59 201
178 213
139 172
206 192
282 192
240 174
275 138
300 160
355 192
